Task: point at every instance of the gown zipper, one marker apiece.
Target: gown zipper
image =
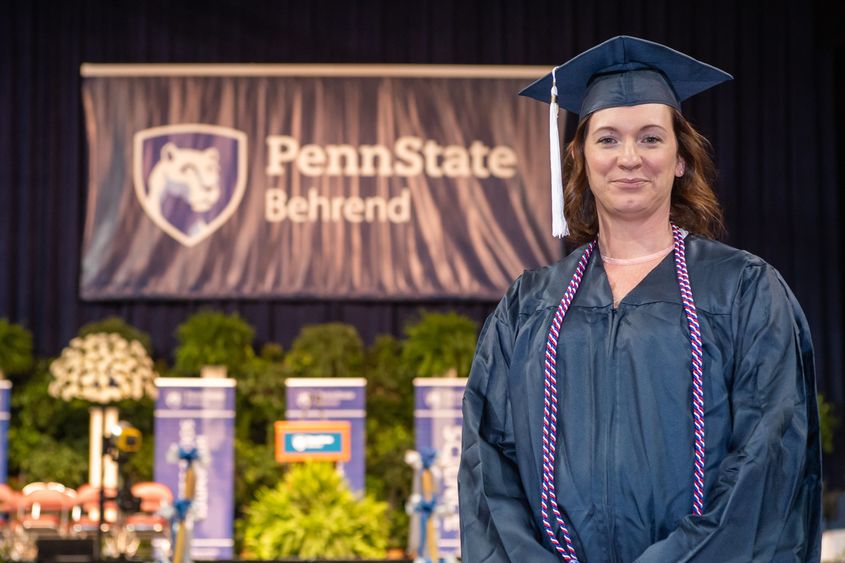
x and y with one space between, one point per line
609 457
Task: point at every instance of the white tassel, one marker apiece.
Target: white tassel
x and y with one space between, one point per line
559 227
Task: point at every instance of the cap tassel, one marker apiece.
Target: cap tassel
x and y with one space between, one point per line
559 227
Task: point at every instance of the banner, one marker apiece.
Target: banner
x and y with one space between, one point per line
5 416
334 398
200 413
438 422
409 182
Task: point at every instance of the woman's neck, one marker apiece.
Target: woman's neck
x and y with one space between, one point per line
627 240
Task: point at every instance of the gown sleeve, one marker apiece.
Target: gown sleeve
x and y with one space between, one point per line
496 520
766 502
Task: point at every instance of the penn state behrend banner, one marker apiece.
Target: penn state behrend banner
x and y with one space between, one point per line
438 421
294 181
334 398
200 413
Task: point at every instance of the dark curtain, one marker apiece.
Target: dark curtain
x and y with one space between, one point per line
775 129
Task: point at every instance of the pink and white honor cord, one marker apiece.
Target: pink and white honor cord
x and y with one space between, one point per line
547 494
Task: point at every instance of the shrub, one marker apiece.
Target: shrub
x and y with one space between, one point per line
439 343
213 338
48 439
326 350
312 514
15 348
390 405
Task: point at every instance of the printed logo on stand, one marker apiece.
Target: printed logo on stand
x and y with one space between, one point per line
190 178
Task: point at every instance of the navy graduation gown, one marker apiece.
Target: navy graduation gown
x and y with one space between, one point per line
625 440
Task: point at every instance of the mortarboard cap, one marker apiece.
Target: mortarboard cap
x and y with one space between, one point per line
622 71
626 71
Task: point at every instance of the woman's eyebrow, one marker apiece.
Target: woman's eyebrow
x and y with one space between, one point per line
612 129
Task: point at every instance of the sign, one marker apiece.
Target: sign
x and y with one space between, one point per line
437 424
334 399
312 441
410 182
200 413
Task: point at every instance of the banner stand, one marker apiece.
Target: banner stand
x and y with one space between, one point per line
200 413
5 416
338 399
438 422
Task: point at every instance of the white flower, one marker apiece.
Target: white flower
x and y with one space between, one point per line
102 368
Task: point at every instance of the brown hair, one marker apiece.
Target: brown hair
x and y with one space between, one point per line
694 206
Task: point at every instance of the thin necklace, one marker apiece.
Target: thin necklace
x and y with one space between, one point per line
638 259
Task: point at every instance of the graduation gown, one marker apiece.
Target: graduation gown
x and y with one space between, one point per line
625 436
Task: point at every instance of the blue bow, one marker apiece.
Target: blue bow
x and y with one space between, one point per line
180 509
427 456
189 456
425 508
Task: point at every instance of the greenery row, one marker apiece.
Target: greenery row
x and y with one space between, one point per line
280 511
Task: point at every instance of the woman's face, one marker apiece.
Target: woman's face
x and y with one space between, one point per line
632 161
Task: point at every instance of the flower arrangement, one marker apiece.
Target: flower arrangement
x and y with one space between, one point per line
102 368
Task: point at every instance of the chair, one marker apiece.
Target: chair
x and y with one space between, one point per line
8 503
152 495
9 500
85 515
147 524
45 511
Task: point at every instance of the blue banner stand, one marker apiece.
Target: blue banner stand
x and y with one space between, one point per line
437 426
333 398
5 416
199 413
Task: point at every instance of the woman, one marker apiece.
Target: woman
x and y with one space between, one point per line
651 396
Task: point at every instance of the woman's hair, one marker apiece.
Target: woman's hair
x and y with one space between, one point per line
694 205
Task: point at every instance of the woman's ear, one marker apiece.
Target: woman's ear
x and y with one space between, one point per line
680 167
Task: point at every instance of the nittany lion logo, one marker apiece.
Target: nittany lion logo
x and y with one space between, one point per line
190 178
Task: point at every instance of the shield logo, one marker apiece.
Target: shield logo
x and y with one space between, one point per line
190 178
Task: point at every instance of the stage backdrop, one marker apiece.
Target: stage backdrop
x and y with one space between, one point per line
313 181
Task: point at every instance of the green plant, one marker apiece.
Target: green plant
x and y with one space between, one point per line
272 352
440 343
390 406
15 348
260 403
260 399
312 514
213 338
257 468
121 327
46 436
389 478
34 456
326 350
827 423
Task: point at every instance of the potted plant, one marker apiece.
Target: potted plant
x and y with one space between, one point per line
312 514
326 350
440 344
210 338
